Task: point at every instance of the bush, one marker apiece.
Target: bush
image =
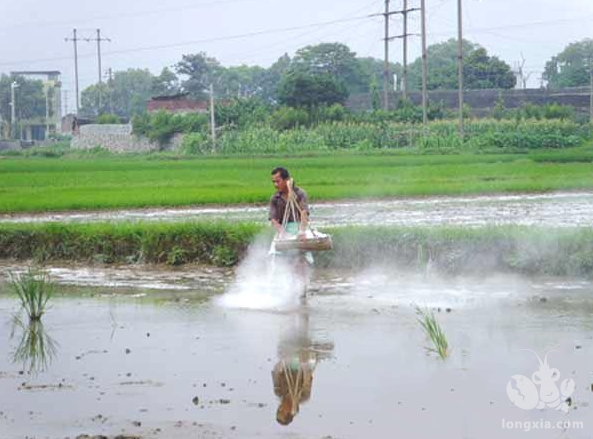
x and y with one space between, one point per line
161 126
241 113
195 143
107 118
285 118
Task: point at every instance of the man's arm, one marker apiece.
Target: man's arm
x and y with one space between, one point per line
273 216
277 226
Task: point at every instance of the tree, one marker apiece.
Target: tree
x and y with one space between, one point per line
483 71
124 95
480 70
304 90
373 70
570 68
165 84
273 77
241 82
334 59
29 97
200 71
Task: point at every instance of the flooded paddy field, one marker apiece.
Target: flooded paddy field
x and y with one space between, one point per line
522 209
160 353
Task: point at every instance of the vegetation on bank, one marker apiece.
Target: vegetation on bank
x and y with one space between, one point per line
253 129
529 250
37 184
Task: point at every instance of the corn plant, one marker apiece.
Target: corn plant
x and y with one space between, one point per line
433 331
34 289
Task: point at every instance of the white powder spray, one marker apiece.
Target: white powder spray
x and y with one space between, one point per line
264 281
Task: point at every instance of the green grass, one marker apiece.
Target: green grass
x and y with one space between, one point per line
34 289
45 184
168 243
433 331
451 250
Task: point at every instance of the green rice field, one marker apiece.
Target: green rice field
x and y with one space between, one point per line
53 184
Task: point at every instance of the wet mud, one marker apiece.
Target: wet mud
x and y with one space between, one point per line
524 209
153 353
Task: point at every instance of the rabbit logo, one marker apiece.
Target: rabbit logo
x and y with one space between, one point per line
523 392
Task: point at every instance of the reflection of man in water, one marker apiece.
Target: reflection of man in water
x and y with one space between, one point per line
293 373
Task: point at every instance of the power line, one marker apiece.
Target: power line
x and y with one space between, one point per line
121 15
306 34
205 40
279 30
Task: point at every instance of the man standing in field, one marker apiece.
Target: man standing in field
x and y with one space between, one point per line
278 203
292 221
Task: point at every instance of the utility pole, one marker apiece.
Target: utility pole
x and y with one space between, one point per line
75 39
424 99
13 85
110 86
47 124
98 39
65 101
212 121
386 67
590 90
460 66
387 39
405 54
404 36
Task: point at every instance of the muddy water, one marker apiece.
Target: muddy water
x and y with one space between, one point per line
171 361
525 209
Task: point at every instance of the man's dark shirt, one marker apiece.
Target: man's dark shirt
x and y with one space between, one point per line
278 206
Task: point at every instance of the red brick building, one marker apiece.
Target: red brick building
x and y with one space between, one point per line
176 104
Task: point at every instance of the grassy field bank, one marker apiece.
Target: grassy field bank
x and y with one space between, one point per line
525 250
46 184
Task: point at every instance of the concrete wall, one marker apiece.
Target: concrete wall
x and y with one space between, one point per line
482 101
117 138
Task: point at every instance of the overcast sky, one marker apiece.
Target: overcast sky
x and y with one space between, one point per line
153 34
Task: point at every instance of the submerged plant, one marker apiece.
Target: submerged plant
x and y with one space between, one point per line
34 289
434 332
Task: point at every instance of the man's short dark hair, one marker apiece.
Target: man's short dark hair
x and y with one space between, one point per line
282 171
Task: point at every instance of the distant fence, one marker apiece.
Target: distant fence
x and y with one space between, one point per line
482 101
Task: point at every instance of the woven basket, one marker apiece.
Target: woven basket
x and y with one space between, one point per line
315 244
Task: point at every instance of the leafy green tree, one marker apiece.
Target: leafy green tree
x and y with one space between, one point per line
334 59
483 71
570 68
241 82
242 112
273 77
29 97
165 84
480 70
373 69
125 95
200 71
305 90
